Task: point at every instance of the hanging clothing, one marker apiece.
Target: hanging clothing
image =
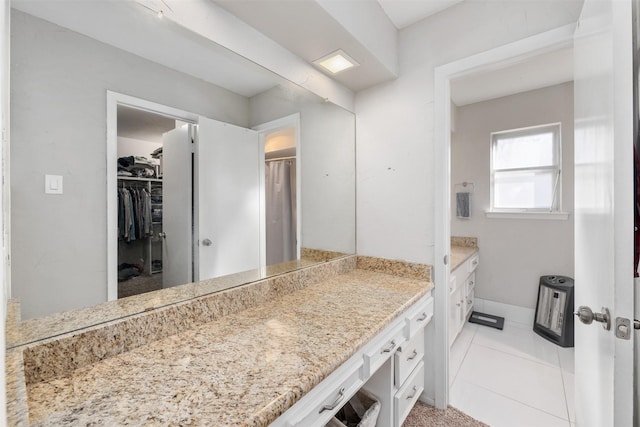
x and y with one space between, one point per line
134 213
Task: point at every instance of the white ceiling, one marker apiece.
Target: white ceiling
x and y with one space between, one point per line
308 30
302 26
140 124
532 73
406 12
135 28
305 28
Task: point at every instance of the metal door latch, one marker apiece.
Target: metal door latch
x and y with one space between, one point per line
624 326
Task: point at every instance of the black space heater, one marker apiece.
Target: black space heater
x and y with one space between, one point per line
554 310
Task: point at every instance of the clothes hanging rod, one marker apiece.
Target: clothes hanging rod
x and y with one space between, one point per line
136 178
281 158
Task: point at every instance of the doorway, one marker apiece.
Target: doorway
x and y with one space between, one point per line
134 129
281 196
209 219
503 56
504 375
140 201
280 141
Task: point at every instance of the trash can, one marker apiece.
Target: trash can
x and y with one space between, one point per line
361 410
554 310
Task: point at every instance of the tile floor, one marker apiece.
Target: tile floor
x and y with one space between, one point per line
511 377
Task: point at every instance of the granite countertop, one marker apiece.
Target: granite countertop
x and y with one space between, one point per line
53 325
460 254
244 369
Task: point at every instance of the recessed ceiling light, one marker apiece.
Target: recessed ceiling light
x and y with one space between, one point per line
336 62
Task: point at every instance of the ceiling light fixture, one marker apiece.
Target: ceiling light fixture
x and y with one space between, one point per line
336 62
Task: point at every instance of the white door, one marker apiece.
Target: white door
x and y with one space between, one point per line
604 210
228 206
176 204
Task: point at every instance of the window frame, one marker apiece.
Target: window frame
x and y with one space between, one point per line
556 203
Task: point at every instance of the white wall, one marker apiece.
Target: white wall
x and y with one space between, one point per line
58 103
327 134
514 253
395 123
395 120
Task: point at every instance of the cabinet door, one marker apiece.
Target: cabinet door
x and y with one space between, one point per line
460 308
453 316
469 293
456 313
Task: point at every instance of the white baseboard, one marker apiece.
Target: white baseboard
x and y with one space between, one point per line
428 400
511 313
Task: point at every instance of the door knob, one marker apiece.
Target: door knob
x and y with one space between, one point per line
587 316
207 242
162 235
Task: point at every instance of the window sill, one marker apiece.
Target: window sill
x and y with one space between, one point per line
528 215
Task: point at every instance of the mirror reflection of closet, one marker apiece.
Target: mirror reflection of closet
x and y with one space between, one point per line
140 230
281 186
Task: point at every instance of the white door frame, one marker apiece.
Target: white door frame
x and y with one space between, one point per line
485 61
113 100
263 129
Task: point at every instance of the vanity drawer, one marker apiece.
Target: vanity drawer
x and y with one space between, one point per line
473 262
468 302
408 356
418 319
408 395
471 282
329 400
382 350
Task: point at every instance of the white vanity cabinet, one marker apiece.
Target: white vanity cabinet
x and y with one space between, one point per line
390 367
462 282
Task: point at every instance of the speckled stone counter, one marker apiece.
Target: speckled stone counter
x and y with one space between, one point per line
61 323
462 248
244 368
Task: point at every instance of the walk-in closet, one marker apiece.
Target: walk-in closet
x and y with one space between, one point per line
140 232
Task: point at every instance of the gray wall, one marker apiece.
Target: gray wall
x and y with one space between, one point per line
514 253
327 150
59 81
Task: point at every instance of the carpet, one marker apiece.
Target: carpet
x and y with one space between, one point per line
426 416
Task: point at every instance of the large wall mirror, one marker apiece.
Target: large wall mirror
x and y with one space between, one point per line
173 161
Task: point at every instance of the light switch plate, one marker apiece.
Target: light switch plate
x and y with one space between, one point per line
53 184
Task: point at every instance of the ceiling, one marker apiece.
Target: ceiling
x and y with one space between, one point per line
305 28
406 12
118 23
310 31
543 70
139 124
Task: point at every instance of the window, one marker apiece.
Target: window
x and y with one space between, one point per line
525 170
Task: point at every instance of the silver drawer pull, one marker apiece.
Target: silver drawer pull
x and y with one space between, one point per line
415 391
335 402
475 262
423 317
392 345
471 283
413 356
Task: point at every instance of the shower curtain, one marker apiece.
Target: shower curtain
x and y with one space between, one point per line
280 198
